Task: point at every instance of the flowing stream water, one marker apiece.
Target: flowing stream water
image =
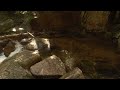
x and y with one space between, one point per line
18 48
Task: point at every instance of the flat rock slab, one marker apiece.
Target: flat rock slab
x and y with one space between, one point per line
76 73
51 66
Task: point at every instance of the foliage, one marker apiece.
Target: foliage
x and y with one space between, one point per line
11 19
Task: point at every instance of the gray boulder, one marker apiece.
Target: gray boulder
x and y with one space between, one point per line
51 67
27 58
17 66
12 70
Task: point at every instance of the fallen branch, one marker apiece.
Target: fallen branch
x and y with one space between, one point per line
14 36
47 34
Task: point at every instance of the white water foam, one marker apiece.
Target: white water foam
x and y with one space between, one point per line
18 47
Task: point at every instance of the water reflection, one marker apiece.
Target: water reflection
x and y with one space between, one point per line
95 57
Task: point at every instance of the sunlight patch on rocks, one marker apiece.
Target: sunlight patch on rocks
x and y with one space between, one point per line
34 44
14 30
53 57
35 52
46 41
21 29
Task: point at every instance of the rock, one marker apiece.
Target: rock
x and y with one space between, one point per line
76 73
10 47
9 69
44 48
27 58
95 21
3 43
70 63
25 41
43 43
32 45
51 67
17 66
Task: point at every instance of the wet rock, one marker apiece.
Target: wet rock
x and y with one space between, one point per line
27 58
50 67
25 41
44 48
70 63
10 47
76 73
32 45
9 69
3 43
43 43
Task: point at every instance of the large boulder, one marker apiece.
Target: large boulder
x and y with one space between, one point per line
27 58
76 73
12 70
17 66
51 67
94 21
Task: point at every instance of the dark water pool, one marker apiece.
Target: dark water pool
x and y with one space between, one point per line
95 57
